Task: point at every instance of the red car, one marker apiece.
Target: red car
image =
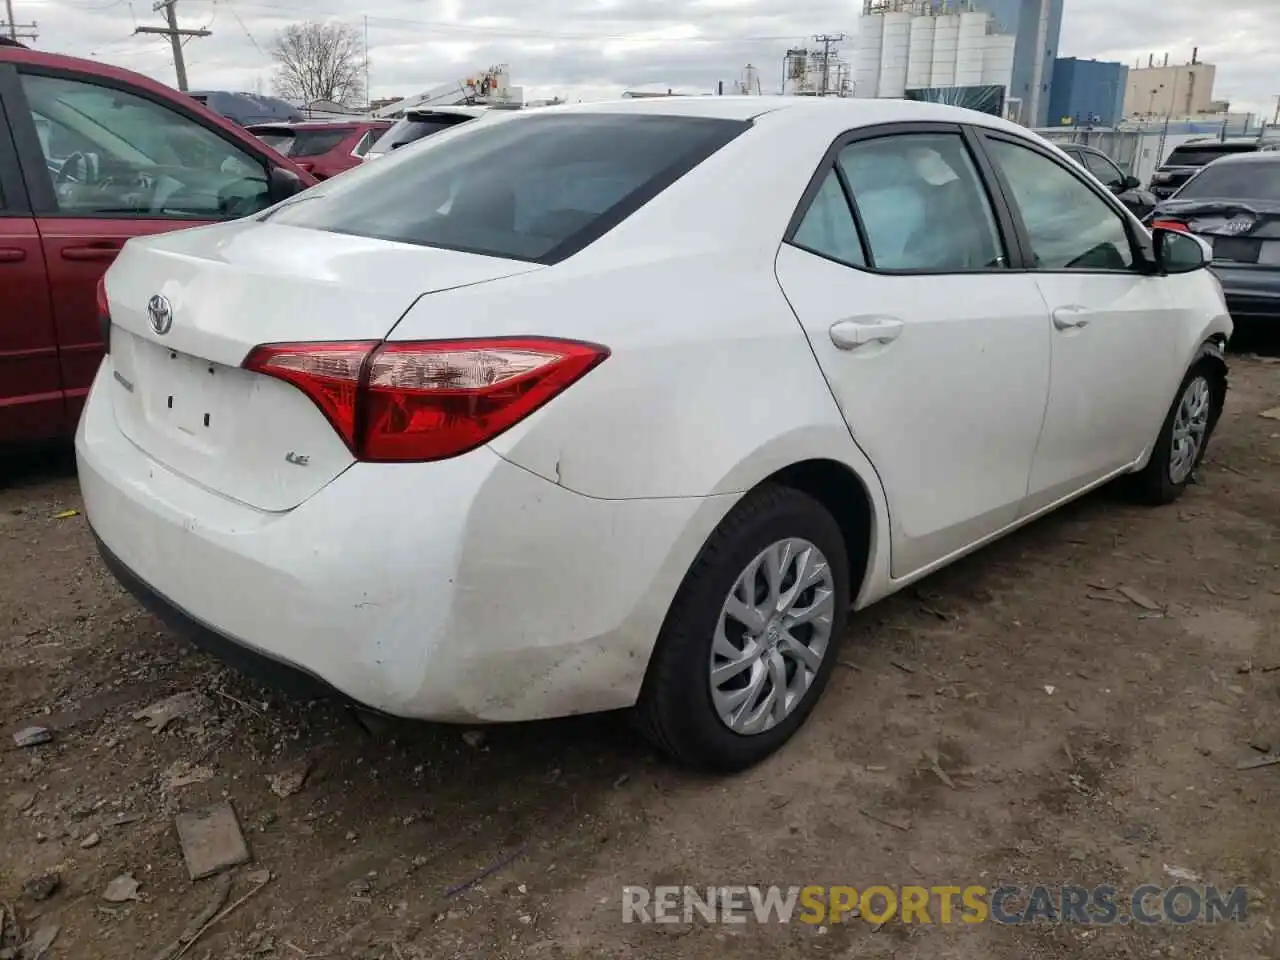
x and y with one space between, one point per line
91 155
324 147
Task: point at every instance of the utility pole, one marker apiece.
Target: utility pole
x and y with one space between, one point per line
175 36
17 31
827 40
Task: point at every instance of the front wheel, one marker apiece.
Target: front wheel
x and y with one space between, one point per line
751 638
1184 436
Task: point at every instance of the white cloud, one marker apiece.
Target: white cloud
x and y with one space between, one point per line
594 48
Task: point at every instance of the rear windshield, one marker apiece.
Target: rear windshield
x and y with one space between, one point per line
1198 156
312 143
280 142
1235 181
408 130
538 187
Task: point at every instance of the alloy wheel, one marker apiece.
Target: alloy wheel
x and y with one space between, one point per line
1190 425
771 636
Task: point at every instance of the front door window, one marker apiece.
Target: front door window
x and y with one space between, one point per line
115 154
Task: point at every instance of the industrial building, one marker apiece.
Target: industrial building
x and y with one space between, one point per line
1036 26
1087 92
960 51
1180 90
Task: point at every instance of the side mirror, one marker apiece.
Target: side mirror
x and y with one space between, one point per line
1180 252
1130 183
283 184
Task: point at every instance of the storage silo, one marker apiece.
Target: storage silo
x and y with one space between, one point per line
866 55
971 48
920 57
997 61
894 54
946 38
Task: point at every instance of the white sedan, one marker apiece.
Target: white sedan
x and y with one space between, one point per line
627 405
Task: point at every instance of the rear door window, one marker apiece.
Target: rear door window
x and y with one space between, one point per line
535 188
828 228
922 204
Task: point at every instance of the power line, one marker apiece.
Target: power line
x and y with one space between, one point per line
827 40
175 35
17 31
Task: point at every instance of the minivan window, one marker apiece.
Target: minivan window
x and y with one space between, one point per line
1235 181
534 188
112 153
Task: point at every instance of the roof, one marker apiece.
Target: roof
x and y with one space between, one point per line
1258 156
1219 142
463 109
850 111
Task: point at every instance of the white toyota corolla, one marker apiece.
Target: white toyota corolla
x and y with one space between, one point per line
628 404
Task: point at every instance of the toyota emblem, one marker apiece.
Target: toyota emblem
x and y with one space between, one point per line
160 313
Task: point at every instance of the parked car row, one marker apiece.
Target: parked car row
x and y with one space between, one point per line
430 423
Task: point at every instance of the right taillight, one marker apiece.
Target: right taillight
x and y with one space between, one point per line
418 401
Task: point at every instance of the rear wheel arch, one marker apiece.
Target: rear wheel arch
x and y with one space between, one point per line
845 496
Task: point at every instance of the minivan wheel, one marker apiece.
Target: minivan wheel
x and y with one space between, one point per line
1184 437
752 636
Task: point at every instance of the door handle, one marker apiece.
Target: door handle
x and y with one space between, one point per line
1070 318
103 252
851 334
12 255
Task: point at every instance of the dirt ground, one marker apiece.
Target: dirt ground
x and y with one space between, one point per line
1085 738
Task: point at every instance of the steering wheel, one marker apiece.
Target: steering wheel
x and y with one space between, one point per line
64 174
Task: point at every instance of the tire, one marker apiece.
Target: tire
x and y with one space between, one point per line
677 710
1159 482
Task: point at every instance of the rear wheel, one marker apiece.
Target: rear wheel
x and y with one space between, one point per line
1184 437
751 639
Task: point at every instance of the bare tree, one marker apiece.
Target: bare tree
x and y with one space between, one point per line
319 61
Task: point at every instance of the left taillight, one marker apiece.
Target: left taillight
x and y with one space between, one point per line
104 314
429 400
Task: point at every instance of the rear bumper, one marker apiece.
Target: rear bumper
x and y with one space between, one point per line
266 669
1253 293
465 590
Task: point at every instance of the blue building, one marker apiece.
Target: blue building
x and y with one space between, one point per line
1036 25
1087 91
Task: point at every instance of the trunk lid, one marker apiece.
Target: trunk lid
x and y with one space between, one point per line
181 396
1241 231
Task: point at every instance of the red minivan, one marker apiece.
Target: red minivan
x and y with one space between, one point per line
91 155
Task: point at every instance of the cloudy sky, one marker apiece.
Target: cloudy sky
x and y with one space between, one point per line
589 49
